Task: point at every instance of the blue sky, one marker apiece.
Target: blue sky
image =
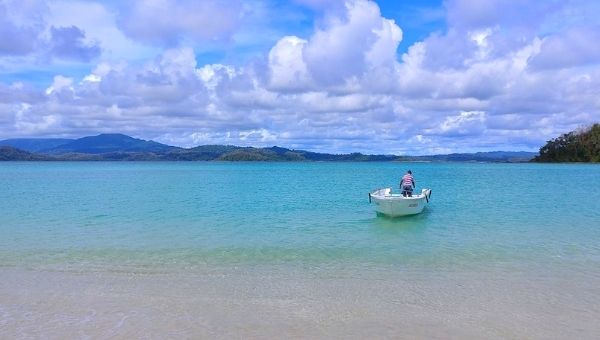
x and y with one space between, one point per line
402 77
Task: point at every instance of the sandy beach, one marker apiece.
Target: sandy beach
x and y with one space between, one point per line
276 302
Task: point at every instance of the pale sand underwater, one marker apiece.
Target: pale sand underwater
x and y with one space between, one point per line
294 250
295 302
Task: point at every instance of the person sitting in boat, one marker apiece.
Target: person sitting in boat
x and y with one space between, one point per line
407 184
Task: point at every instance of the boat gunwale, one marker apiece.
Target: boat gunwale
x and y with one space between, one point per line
396 197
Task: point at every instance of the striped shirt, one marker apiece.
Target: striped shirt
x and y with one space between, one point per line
407 180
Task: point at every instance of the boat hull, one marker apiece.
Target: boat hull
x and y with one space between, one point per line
395 205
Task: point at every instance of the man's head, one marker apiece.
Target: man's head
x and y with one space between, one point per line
409 172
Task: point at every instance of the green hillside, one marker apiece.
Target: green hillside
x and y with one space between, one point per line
575 146
119 147
8 153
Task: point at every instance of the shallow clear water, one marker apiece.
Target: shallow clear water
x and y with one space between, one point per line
523 237
180 214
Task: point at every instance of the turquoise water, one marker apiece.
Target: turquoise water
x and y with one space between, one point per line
181 216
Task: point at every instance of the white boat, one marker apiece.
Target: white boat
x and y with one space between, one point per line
394 205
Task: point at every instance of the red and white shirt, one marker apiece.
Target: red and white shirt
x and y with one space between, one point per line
407 180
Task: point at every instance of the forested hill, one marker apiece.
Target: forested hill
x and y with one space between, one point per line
119 147
575 146
8 153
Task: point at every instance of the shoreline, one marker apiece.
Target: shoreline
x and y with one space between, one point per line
275 301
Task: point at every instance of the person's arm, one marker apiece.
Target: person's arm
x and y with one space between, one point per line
413 183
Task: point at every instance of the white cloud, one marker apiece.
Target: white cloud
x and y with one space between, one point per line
350 46
261 135
60 83
499 83
287 66
170 22
99 24
26 32
572 47
467 123
21 26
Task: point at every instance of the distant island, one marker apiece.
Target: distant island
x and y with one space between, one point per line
582 145
119 147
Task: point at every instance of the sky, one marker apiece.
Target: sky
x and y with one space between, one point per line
382 77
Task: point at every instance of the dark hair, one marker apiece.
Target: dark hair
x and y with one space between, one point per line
410 172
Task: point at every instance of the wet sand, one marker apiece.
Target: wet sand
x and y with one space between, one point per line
292 302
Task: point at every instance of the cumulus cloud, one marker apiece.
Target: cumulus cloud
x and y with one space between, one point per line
573 47
491 80
467 123
21 24
68 43
169 22
477 14
287 66
25 31
59 84
349 46
350 50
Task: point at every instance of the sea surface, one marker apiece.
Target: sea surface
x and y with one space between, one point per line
295 250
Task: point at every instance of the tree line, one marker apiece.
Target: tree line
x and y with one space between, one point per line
582 145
